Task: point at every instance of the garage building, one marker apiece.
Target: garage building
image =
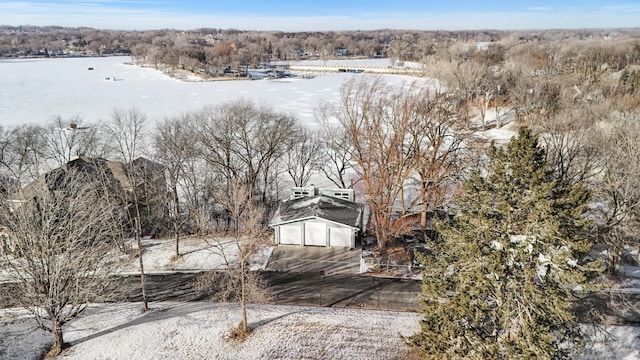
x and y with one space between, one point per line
318 220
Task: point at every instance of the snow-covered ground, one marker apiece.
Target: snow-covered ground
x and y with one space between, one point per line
200 331
37 90
357 62
196 254
501 135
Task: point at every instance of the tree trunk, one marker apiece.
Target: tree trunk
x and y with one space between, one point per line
423 213
176 241
614 258
379 228
58 341
145 303
243 301
176 219
138 233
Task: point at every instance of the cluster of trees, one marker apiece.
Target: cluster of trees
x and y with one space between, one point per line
202 50
21 41
396 145
503 276
229 45
502 273
407 145
403 147
501 280
220 169
202 153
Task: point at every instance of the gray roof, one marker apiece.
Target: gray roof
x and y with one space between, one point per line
321 206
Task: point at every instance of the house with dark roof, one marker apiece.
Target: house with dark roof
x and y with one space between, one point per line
313 217
144 176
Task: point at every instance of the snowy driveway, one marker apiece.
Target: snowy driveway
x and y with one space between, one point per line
311 259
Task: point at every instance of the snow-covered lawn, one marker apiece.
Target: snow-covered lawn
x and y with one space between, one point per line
614 343
200 331
196 254
629 281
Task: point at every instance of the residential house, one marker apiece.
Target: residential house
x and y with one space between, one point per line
151 190
314 217
342 52
120 180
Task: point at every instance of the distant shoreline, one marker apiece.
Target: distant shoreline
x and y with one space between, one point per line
30 91
177 74
70 56
185 75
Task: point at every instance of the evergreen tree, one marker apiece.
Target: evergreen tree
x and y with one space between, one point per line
502 276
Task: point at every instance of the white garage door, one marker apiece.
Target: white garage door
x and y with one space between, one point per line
315 234
340 237
290 235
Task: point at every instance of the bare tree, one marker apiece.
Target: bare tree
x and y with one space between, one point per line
237 282
270 139
440 152
57 249
570 141
21 153
217 130
200 181
335 161
173 143
488 92
467 80
126 135
376 118
534 98
66 139
618 191
244 141
303 159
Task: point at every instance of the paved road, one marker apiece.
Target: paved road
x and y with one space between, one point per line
316 289
344 290
336 290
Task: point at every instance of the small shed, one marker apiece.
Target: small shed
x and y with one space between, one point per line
319 220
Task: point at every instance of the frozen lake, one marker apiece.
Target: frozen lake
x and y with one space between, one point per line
38 90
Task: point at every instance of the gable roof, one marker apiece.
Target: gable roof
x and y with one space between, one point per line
111 173
147 165
321 206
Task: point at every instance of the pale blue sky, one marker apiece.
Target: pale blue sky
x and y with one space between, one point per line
310 15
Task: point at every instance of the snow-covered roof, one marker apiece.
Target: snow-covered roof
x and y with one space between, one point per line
321 206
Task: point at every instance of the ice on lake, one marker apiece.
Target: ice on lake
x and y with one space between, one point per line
38 90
